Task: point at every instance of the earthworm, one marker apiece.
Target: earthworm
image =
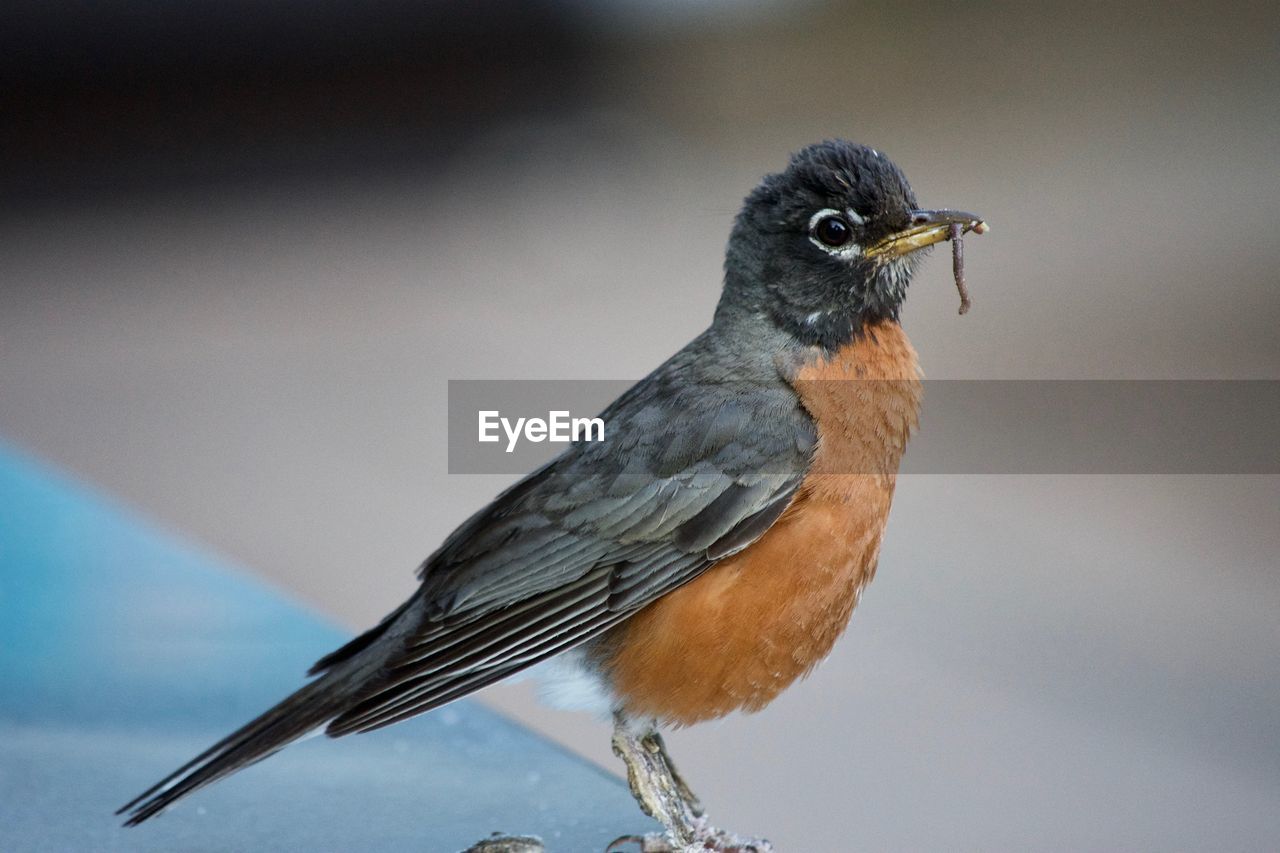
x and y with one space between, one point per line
957 264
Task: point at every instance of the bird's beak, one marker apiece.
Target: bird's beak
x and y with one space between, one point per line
927 227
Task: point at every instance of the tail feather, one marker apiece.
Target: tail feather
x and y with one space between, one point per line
299 714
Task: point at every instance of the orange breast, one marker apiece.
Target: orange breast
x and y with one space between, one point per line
738 635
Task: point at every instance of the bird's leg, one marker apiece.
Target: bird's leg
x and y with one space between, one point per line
664 796
654 742
652 782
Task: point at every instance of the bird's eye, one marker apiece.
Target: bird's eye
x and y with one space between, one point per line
833 231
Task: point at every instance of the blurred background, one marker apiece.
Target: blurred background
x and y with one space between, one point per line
244 245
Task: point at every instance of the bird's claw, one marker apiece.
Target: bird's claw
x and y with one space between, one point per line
654 842
708 840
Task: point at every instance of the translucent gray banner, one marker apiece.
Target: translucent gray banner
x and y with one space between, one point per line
966 426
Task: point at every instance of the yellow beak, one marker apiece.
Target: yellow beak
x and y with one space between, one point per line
927 227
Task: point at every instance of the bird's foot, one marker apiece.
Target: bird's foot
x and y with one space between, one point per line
706 838
663 795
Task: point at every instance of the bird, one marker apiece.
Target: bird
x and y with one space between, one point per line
712 550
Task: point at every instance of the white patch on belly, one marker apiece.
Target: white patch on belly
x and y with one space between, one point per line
568 683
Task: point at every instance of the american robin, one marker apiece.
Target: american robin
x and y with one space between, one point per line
712 550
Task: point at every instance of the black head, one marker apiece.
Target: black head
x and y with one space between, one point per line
829 245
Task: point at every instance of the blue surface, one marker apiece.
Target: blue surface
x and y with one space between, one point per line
123 653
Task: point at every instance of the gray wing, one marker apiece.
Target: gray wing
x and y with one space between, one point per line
686 476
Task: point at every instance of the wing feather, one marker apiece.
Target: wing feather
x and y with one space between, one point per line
590 539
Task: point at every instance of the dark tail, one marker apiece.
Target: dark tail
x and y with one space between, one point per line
303 712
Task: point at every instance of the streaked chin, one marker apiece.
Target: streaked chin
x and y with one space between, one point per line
893 276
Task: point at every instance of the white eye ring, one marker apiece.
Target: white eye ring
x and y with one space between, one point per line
848 250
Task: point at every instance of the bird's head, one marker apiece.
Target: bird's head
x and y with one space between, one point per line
829 245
